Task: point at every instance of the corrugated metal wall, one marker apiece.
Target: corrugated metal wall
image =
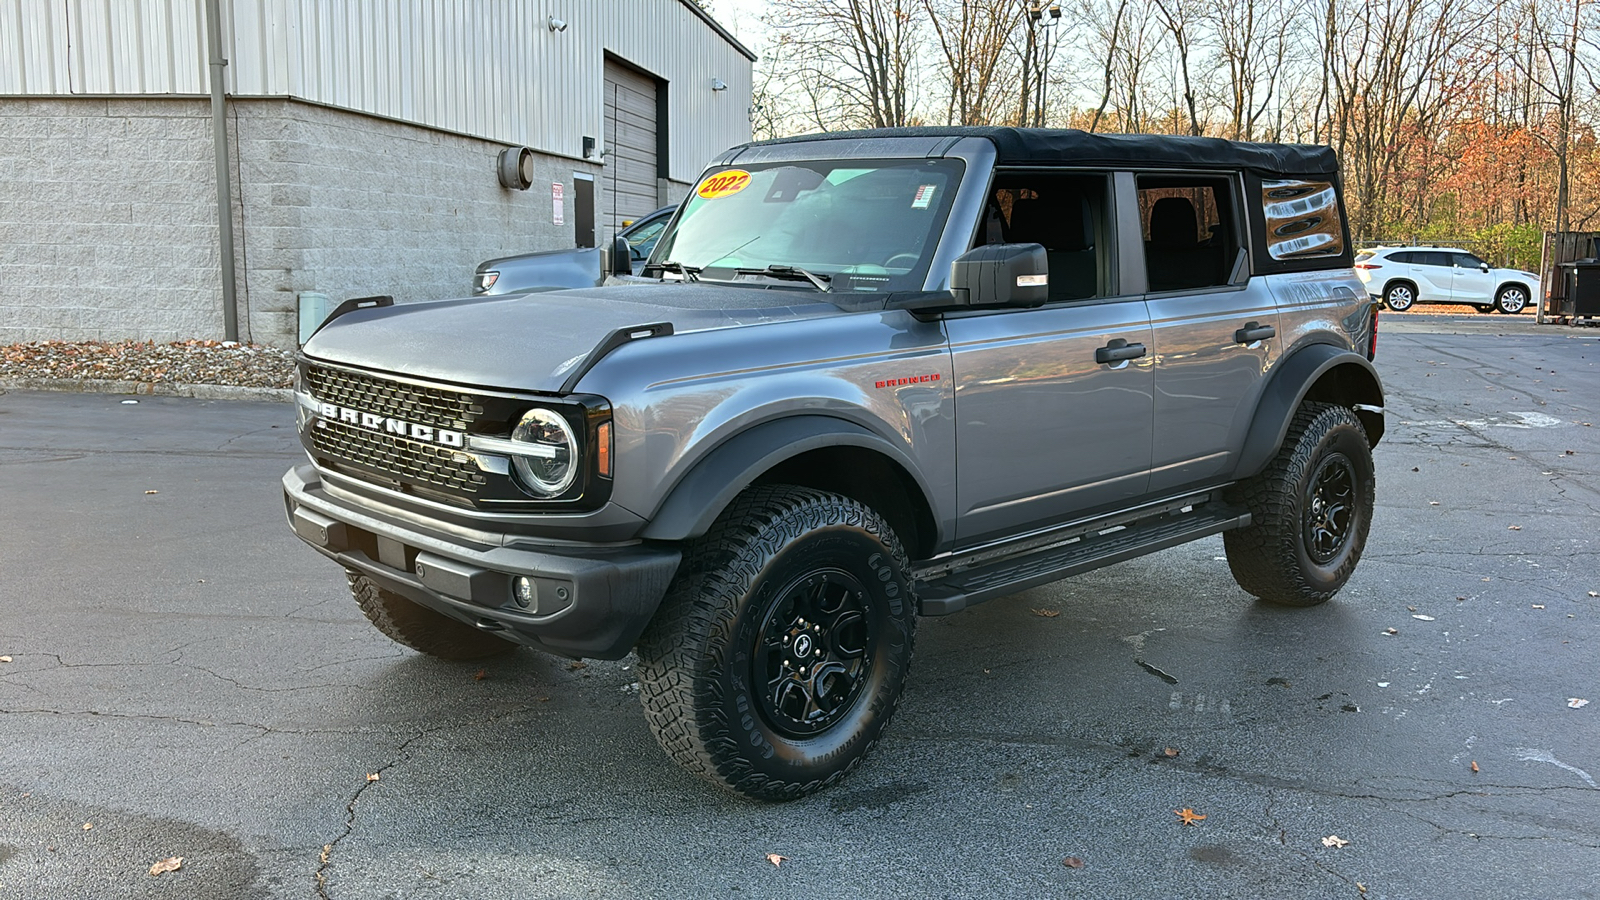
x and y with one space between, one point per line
488 68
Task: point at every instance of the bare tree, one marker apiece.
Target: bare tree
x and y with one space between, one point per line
853 60
1177 17
972 37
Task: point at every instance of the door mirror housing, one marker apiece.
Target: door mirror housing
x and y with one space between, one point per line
620 259
1001 275
1483 267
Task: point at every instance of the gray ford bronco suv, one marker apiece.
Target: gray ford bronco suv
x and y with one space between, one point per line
863 377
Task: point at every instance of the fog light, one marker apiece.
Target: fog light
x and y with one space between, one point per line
526 592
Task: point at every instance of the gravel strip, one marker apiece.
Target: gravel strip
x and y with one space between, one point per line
194 362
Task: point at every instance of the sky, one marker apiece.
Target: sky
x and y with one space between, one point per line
743 18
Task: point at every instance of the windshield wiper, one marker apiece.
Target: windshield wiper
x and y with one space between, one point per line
689 273
792 273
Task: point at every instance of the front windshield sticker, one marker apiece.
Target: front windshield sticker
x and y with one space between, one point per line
724 184
923 198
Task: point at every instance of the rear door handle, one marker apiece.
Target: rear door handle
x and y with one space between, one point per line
1117 351
1255 331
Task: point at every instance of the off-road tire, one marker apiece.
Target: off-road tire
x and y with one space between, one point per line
1511 299
420 628
706 660
1282 557
1400 296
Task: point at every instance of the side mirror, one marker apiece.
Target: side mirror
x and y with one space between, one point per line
1001 275
621 261
1483 267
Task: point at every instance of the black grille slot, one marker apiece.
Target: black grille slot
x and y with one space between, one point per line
390 455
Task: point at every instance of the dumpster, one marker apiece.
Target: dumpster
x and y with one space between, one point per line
1578 284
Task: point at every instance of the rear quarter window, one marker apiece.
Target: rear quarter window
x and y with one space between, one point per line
1302 219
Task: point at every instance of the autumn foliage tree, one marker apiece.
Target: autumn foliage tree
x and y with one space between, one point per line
1467 121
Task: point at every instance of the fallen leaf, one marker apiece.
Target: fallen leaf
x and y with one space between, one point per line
1333 840
152 492
89 825
372 776
1170 753
1474 767
776 860
1188 816
1538 606
576 665
1412 608
1513 527
1415 469
480 675
1594 593
1433 503
1361 887
1391 631
1047 613
1572 703
1423 617
170 864
5 659
1072 862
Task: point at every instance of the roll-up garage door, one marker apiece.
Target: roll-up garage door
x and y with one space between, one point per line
630 176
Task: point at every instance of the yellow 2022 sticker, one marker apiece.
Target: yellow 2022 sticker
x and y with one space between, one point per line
724 184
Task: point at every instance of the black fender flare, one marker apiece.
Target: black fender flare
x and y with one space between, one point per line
1289 383
711 484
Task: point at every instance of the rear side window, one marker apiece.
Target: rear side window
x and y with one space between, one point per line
1431 258
1302 219
1191 237
1404 256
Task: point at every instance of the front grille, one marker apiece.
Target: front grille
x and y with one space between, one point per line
437 407
390 455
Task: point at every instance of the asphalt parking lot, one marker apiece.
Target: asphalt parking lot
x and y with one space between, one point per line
180 677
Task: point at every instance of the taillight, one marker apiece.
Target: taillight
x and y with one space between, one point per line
1368 266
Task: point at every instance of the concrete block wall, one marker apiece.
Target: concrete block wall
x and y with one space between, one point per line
107 220
108 215
350 205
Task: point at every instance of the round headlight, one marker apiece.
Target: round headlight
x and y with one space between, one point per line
551 463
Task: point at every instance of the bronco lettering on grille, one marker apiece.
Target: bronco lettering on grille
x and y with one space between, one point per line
372 422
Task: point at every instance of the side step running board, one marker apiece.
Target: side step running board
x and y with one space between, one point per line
970 586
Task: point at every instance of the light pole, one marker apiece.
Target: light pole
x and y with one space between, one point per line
1041 15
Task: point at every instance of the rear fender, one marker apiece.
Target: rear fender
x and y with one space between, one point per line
1322 372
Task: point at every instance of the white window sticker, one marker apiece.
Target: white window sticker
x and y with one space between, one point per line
923 198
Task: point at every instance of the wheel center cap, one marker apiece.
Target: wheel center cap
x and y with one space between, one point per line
802 645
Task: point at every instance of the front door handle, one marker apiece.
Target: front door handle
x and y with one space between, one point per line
1255 331
1117 351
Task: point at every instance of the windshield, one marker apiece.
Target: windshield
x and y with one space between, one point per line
862 225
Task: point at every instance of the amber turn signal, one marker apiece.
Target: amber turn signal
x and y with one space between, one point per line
602 449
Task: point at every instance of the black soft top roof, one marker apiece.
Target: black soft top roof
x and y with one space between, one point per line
1024 146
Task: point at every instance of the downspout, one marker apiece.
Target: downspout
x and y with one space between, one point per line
219 138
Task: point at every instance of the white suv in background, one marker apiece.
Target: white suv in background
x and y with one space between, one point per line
1403 276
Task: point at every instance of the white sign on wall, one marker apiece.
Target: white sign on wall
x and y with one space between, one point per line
556 190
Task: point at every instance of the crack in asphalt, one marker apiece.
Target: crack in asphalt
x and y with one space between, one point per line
325 860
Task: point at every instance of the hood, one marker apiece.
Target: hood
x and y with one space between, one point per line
531 342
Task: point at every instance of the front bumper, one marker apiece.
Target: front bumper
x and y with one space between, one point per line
593 600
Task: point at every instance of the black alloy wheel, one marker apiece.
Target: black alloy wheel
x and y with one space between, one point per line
1330 508
815 653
